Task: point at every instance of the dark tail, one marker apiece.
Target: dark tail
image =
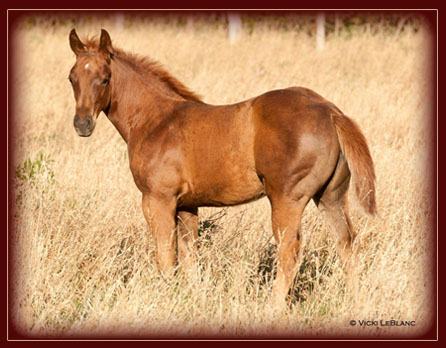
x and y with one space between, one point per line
354 148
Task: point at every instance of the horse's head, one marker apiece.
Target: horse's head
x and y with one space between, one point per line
90 78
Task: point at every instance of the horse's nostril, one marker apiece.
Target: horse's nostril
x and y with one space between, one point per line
83 122
76 121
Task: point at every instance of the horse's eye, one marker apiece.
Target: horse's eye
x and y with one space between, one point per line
105 81
70 79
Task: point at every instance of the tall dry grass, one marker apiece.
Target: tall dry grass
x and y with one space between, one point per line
82 253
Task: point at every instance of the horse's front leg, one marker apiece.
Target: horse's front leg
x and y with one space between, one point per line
160 215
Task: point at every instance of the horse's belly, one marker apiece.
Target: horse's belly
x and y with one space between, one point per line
223 190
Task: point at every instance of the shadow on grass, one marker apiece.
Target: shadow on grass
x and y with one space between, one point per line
312 266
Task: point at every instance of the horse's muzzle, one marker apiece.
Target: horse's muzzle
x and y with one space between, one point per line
84 125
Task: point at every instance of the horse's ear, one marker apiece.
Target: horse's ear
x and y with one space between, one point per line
105 44
75 43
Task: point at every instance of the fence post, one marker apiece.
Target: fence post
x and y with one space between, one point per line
337 25
119 21
189 22
320 31
235 27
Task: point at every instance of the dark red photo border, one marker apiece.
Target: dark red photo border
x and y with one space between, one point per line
8 59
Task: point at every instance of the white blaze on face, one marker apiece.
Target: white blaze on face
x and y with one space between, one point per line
86 66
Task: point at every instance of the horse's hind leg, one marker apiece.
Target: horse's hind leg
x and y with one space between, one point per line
286 223
341 229
187 223
332 202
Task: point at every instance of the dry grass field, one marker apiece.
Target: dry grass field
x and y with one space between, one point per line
82 256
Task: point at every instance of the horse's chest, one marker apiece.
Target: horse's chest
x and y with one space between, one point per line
155 169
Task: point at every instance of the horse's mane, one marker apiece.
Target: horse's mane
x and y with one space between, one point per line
146 67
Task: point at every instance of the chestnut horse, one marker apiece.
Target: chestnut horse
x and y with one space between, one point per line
291 145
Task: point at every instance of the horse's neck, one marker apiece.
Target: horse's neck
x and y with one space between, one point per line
135 101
